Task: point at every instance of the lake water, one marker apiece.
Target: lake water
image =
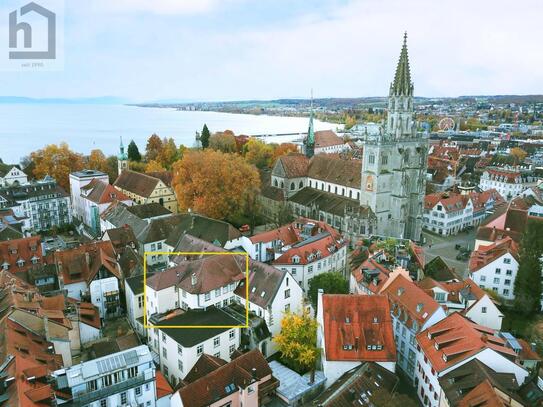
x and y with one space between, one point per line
28 127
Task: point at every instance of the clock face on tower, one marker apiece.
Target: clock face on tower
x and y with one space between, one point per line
369 183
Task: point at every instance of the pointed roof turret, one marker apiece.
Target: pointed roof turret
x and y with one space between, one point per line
310 139
122 155
402 85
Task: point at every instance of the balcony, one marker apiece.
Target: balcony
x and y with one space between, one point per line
85 398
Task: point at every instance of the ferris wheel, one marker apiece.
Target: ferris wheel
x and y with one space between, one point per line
446 124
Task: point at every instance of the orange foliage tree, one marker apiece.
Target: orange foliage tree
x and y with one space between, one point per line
215 184
258 153
58 161
223 141
169 153
154 166
153 148
97 161
283 149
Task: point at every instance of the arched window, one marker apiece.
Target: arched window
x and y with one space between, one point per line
301 185
282 185
292 186
350 193
371 159
275 183
384 159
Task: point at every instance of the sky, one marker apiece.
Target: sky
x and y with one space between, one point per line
265 49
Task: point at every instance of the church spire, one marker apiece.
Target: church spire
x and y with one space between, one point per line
402 85
310 139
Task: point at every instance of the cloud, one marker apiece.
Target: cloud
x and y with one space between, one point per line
160 7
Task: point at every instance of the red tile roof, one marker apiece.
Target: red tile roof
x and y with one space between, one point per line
456 338
380 278
287 234
408 300
211 272
485 255
102 193
295 165
137 183
358 328
335 169
83 263
163 388
26 249
483 395
327 138
215 386
319 247
451 202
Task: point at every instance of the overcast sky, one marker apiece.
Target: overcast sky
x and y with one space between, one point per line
237 49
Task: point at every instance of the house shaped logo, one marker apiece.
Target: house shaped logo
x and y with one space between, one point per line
16 26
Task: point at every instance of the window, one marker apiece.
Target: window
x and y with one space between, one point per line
207 296
123 398
498 271
509 272
140 301
165 370
287 293
199 350
231 334
505 291
107 381
483 310
218 292
507 282
103 403
216 341
287 307
310 269
507 261
293 271
483 278
231 349
371 159
163 337
164 353
180 365
180 350
496 280
138 389
251 389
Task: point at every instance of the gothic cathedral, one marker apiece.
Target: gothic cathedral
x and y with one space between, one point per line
395 161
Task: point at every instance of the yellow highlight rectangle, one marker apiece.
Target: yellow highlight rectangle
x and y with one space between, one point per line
145 254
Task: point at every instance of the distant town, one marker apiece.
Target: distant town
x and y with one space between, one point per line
394 261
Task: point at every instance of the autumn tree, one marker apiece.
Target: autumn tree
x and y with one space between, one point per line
153 148
58 161
284 214
214 184
258 153
519 154
169 153
112 170
297 341
154 166
331 283
204 137
133 152
97 161
223 141
283 149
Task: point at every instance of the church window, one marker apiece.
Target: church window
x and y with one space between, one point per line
292 186
335 191
282 185
371 159
301 184
329 188
358 195
275 183
385 159
322 186
350 193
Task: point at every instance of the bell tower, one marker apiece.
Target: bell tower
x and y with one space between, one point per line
394 162
122 159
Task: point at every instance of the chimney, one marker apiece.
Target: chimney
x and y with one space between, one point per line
193 279
46 327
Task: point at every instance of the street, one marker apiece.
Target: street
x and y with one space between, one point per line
443 246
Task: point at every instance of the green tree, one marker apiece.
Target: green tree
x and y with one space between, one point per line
223 141
133 152
204 137
528 279
297 341
112 168
331 283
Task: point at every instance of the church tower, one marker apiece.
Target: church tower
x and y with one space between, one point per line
394 163
309 141
122 159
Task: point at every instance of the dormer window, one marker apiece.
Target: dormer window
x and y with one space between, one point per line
420 306
347 320
347 347
400 291
20 262
296 259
